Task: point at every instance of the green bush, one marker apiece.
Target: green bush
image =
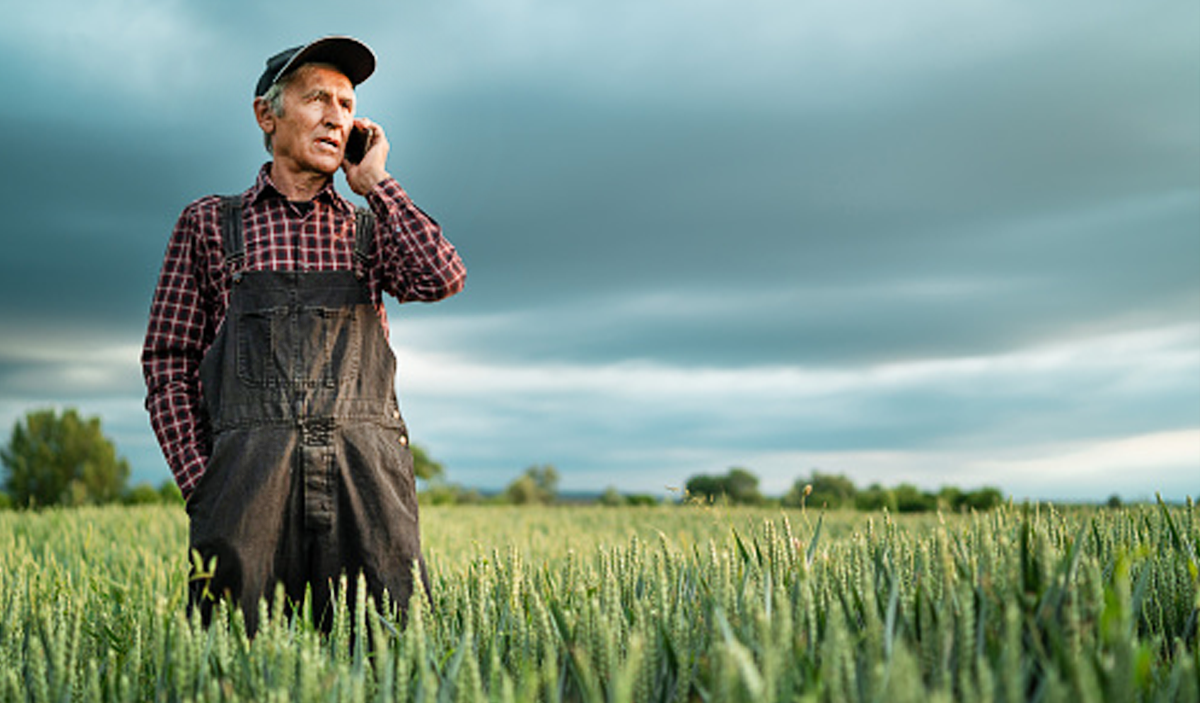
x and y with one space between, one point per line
54 459
538 485
876 498
142 494
821 491
738 486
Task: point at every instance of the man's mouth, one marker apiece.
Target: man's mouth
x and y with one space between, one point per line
330 141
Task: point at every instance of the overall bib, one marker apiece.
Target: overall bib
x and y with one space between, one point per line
310 476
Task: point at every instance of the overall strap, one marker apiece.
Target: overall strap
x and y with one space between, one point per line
232 239
364 238
234 245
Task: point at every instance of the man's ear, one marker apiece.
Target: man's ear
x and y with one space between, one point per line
265 115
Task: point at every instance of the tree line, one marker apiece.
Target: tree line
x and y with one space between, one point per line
63 459
835 491
739 486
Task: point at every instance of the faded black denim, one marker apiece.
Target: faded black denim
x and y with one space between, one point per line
310 476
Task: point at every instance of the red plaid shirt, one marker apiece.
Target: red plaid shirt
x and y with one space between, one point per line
411 261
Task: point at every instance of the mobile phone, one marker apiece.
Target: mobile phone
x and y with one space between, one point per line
356 145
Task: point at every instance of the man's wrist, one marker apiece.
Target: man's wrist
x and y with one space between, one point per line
364 183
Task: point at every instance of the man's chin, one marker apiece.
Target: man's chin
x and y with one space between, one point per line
329 166
326 163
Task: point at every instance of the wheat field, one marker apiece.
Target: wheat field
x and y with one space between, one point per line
669 603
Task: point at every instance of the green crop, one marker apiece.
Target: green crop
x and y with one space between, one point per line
1026 603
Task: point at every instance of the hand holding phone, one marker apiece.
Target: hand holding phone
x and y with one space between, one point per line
365 162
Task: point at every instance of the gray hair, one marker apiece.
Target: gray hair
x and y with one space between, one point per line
274 100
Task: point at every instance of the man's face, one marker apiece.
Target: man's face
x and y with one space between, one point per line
318 113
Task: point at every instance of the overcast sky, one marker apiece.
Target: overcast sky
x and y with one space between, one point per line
934 242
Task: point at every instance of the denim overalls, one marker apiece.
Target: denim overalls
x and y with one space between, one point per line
310 475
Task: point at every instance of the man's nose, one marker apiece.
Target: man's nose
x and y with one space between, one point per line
338 117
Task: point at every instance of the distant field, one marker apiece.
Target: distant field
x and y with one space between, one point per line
650 604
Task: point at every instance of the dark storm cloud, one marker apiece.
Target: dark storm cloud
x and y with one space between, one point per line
85 248
722 193
806 239
1015 199
659 188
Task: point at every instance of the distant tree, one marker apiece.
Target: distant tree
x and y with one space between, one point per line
169 493
54 459
539 484
910 499
824 491
141 494
523 491
546 478
950 499
738 486
643 499
742 487
611 497
797 495
438 492
424 466
984 499
1114 501
705 487
875 497
836 490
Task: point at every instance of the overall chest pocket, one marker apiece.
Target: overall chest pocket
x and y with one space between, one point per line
299 347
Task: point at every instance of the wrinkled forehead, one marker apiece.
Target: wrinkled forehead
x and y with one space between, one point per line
312 76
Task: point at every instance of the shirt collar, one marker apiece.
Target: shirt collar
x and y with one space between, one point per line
265 188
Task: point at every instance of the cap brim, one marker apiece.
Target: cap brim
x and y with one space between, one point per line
352 57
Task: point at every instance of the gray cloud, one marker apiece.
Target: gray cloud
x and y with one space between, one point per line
647 423
825 189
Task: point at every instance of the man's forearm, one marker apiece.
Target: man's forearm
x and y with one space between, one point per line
418 263
182 434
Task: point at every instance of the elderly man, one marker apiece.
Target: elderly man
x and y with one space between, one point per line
268 372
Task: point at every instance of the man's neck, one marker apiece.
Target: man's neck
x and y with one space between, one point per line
297 185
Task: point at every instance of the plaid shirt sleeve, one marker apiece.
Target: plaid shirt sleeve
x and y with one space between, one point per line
180 328
416 262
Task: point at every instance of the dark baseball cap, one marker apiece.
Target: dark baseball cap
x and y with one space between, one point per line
352 57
